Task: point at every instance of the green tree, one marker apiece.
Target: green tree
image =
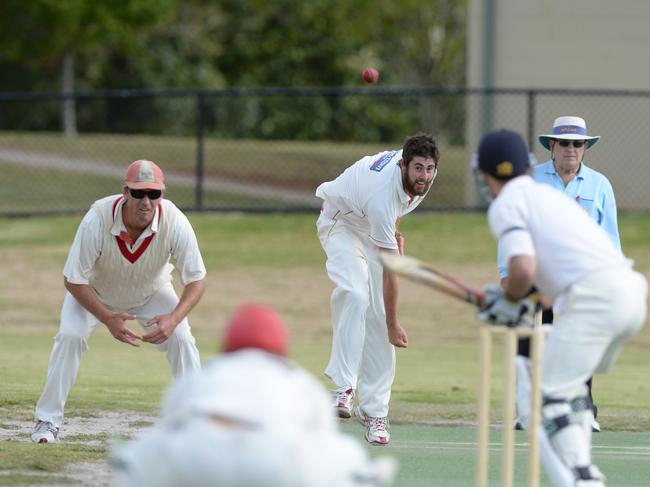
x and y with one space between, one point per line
328 43
48 35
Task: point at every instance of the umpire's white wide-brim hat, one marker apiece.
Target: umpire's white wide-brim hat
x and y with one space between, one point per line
569 128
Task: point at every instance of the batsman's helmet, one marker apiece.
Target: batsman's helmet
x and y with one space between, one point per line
503 154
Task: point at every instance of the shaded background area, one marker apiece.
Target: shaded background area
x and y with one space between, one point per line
267 149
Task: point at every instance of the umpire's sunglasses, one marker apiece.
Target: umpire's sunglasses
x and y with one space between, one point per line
152 194
576 143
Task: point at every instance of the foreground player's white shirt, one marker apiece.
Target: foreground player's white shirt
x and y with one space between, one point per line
369 194
254 388
248 418
531 218
206 454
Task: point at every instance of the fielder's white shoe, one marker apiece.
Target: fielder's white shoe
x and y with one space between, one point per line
45 432
376 428
343 401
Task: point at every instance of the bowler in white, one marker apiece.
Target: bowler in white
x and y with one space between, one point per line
359 218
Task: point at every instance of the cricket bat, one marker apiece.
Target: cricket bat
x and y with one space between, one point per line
424 273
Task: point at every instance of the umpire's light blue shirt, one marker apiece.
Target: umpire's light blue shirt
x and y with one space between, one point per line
590 189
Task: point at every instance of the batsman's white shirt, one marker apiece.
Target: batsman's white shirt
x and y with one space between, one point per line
531 218
126 276
369 195
603 298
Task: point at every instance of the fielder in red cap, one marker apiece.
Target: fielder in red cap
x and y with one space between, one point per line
118 269
232 423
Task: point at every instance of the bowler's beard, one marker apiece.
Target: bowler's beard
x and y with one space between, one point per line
411 187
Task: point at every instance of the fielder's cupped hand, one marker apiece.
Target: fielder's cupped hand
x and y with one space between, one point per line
160 333
117 326
499 310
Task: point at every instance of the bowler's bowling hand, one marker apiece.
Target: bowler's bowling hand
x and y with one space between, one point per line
397 336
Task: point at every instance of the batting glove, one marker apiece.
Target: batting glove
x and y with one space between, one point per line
501 311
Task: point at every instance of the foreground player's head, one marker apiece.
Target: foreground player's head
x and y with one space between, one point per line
256 326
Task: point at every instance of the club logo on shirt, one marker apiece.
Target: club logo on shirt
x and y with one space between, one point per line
380 163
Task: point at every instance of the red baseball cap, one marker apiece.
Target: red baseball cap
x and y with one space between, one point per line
256 326
143 174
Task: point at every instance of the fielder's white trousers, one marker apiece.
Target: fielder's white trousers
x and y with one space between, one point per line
361 355
72 340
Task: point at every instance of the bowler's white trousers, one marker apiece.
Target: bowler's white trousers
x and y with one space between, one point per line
72 340
361 355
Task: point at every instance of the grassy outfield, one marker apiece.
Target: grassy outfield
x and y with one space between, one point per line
292 165
277 259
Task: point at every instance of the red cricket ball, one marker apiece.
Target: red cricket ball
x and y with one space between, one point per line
370 75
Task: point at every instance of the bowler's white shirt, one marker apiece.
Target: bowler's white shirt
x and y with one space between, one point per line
535 219
370 195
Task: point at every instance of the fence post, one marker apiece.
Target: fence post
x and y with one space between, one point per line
200 126
530 115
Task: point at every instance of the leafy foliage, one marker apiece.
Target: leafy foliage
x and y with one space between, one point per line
236 43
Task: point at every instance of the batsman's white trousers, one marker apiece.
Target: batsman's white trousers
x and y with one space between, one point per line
361 355
71 341
600 313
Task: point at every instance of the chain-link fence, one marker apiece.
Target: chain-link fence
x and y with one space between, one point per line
267 149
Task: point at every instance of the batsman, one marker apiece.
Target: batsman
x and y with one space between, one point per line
359 218
550 242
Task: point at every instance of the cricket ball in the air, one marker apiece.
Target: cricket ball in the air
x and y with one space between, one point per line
370 75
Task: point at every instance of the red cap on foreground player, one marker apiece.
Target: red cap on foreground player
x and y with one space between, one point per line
256 326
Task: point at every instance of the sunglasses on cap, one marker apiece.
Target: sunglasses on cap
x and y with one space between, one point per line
152 194
566 143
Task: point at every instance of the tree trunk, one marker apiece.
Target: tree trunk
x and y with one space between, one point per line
68 109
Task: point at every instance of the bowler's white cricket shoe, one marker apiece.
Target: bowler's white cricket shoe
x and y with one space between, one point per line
343 401
45 432
376 428
362 417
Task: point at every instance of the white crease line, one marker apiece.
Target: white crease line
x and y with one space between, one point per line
637 451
